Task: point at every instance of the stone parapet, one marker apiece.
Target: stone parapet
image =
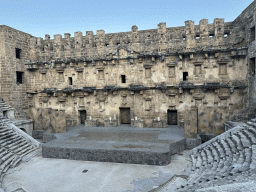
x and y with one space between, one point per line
162 123
91 123
137 123
110 123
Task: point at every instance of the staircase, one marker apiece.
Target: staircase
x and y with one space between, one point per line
15 145
227 158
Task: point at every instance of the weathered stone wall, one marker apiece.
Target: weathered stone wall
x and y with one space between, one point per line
14 94
203 68
50 120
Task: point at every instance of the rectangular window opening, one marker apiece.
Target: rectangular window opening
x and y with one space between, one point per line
101 75
70 81
211 35
252 34
197 36
148 72
197 70
252 66
19 77
17 50
123 79
223 69
185 76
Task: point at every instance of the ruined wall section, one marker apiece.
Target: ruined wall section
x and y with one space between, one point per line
162 39
13 93
244 28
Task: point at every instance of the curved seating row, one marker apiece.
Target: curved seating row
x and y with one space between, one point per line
228 157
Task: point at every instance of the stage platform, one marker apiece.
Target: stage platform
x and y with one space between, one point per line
122 144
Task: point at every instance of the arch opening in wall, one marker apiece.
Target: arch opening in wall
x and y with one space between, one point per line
24 130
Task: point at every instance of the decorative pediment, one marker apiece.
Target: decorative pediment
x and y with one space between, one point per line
171 64
172 92
43 71
79 69
198 94
61 99
147 66
223 93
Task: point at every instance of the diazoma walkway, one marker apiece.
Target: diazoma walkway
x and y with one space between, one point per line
122 144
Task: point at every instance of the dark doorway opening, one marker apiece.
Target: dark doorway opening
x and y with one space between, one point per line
123 78
70 80
172 117
185 76
83 116
125 115
19 77
5 113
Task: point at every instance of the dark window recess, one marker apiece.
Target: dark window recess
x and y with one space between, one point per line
252 66
226 34
17 50
185 76
19 77
123 79
70 81
252 34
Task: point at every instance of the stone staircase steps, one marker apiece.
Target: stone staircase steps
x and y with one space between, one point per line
224 159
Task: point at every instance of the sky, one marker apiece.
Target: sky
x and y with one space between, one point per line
58 17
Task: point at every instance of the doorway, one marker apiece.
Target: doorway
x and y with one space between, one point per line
83 116
172 117
125 115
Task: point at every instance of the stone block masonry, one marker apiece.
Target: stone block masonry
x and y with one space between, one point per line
193 76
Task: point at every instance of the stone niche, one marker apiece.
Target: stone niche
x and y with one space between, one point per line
159 123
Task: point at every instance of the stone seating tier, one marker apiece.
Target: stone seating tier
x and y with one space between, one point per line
224 159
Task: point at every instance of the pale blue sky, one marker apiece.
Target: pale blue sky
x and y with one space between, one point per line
58 17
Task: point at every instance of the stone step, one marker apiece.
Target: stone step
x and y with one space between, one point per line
238 142
19 140
246 142
6 156
20 149
4 130
250 135
4 166
11 142
215 153
199 161
33 148
11 137
253 158
15 162
6 133
209 155
220 150
204 157
14 147
241 159
3 153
